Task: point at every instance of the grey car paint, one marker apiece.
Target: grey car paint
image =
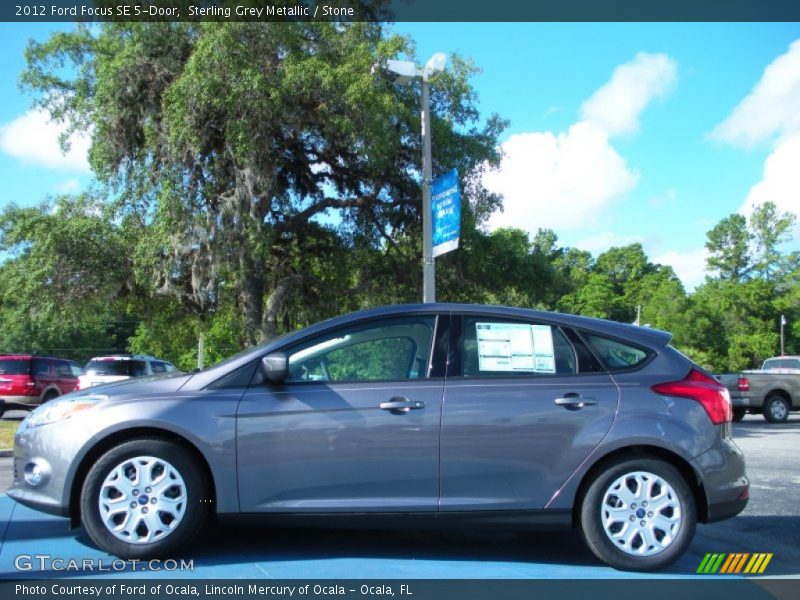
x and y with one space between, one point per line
287 456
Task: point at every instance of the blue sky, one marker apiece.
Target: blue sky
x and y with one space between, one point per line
618 132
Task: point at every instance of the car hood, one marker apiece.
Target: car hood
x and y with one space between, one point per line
154 384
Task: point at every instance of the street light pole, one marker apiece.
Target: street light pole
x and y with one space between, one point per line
428 264
404 72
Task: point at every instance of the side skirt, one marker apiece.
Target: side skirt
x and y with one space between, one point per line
527 520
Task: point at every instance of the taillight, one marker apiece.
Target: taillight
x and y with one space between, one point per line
744 384
706 390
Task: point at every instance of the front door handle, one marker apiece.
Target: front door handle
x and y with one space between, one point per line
400 405
575 401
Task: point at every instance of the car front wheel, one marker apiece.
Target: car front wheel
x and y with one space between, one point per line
638 515
144 498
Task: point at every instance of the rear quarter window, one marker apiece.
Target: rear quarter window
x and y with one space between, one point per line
616 355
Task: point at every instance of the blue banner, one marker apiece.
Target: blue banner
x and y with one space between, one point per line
446 208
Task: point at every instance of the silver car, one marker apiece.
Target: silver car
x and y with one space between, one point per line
429 415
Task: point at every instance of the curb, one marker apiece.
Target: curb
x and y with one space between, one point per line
6 452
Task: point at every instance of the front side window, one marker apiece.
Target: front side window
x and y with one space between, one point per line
158 367
505 348
393 349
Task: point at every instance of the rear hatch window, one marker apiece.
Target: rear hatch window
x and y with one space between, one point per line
124 368
12 366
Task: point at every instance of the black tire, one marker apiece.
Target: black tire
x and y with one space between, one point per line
776 409
739 413
195 492
50 396
599 541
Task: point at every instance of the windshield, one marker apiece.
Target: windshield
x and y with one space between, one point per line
15 367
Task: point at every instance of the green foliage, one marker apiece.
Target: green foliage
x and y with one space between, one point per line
258 177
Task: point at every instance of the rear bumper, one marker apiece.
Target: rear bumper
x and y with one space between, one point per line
725 482
740 401
726 510
19 402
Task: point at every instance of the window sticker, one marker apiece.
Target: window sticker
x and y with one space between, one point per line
544 359
515 347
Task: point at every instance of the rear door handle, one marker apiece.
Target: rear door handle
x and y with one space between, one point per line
400 405
575 401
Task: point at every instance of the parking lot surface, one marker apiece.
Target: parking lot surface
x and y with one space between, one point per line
771 523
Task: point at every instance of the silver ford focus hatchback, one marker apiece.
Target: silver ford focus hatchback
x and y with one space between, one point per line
430 415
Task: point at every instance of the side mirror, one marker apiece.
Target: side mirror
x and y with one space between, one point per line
276 366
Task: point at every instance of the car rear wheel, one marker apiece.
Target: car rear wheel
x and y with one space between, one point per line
638 515
776 409
144 498
739 413
51 395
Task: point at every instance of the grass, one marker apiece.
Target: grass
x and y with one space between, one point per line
7 431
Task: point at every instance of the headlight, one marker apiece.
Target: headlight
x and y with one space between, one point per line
58 410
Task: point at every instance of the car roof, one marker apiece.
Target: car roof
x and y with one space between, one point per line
30 356
126 357
644 335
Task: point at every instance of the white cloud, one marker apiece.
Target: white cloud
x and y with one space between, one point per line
771 110
689 266
781 181
567 181
559 181
68 186
34 138
617 105
771 113
600 242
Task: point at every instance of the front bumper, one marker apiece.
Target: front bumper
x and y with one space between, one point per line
49 450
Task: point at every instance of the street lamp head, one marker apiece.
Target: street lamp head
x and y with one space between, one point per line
435 64
405 70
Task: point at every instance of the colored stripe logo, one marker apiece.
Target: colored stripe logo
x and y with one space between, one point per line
733 563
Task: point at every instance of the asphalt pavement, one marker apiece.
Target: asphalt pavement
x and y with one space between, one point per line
771 523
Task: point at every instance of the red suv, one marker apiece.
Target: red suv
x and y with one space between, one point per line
27 380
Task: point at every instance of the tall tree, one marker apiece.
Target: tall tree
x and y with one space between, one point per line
728 246
240 147
770 229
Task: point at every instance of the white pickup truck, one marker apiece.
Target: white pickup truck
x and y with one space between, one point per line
773 391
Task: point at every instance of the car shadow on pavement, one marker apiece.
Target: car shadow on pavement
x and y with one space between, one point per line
21 530
266 544
758 427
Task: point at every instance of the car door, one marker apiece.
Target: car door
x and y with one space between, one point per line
354 428
525 404
67 382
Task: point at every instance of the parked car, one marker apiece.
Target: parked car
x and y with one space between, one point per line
110 369
434 415
27 380
772 392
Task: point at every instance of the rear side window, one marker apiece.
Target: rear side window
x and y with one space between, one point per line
42 367
63 370
500 348
616 355
9 366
